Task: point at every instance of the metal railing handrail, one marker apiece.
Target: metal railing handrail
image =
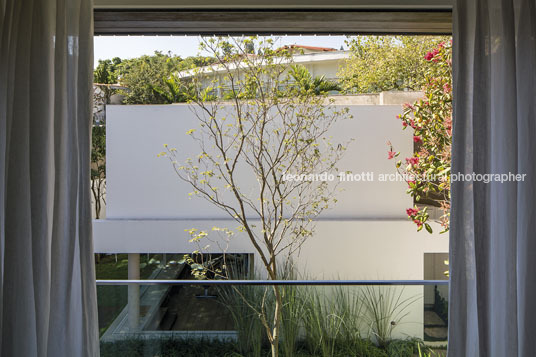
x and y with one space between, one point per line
275 282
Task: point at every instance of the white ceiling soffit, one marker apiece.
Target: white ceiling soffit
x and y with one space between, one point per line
274 4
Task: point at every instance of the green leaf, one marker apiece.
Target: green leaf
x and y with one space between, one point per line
428 228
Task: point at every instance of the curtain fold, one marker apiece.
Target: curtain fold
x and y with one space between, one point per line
493 280
47 280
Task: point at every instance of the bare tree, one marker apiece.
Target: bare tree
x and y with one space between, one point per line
264 140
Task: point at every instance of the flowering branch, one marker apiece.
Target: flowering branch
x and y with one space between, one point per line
428 169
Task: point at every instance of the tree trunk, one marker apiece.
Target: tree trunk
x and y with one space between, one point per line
277 322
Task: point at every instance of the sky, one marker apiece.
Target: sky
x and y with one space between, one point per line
107 47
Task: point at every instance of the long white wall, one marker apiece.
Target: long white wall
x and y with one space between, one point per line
142 186
148 207
366 236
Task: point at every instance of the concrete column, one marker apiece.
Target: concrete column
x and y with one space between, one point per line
163 262
133 291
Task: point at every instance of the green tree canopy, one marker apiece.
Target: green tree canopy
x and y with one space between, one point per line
146 77
106 71
305 81
383 63
140 75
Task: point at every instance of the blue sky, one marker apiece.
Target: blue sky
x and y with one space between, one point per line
184 46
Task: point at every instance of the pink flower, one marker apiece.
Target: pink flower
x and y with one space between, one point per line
390 155
417 222
412 160
446 88
404 124
412 123
417 139
411 182
412 212
430 55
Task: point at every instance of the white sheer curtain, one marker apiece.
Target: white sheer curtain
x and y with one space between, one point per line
47 286
493 236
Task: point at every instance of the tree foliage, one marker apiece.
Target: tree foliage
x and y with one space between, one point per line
384 63
172 91
428 169
305 81
269 128
107 71
149 79
142 74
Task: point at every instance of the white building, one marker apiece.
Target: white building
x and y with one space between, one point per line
319 61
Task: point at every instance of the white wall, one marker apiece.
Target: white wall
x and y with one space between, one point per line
346 249
327 69
142 186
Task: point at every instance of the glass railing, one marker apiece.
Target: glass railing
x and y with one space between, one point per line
230 317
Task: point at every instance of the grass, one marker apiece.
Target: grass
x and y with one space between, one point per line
322 325
291 317
246 321
108 268
385 308
325 322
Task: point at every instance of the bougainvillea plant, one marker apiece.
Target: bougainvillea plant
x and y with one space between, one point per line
427 171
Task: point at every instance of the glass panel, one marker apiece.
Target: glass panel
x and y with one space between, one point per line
202 320
435 297
112 300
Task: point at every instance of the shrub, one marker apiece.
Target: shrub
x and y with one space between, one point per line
167 347
427 171
384 63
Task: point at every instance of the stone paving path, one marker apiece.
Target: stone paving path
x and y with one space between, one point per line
435 328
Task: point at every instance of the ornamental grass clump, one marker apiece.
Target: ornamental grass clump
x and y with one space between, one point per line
385 308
